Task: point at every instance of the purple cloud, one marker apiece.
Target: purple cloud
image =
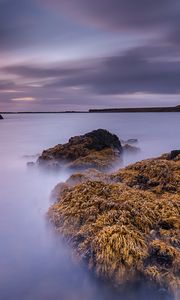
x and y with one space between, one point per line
143 69
6 85
124 14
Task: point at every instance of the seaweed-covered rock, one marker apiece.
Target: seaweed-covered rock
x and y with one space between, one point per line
123 225
1 117
77 178
157 175
97 149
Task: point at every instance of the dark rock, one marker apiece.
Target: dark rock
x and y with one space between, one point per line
130 141
97 149
130 149
174 154
1 117
30 164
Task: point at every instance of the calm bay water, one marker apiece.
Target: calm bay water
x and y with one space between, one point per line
34 263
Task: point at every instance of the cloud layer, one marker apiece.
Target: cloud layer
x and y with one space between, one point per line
129 15
140 52
143 69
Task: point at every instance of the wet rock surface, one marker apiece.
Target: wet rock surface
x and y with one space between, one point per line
97 149
125 225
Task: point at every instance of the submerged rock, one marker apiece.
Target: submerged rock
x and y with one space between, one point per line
132 141
1 117
33 156
97 149
125 225
129 141
30 164
130 149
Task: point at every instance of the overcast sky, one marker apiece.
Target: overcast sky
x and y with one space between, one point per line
81 54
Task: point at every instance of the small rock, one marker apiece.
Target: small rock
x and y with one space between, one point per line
132 141
174 154
130 149
163 291
129 141
30 164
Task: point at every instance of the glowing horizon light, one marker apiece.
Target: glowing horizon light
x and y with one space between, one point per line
24 99
10 91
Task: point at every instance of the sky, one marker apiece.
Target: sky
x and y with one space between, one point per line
58 55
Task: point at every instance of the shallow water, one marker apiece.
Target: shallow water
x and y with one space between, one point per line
34 263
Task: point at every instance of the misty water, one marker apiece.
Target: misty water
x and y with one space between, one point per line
34 263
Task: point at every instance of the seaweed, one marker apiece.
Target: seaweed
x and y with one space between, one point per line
123 229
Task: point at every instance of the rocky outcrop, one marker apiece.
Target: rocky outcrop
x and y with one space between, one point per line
1 117
97 149
125 225
157 175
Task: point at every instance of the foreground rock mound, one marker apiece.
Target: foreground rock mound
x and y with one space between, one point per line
1 117
97 149
123 226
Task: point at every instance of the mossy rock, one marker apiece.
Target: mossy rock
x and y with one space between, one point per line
98 149
157 175
124 231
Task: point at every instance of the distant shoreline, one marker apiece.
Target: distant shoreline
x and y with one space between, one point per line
138 109
42 112
105 110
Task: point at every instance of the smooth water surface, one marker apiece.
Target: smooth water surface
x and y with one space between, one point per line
34 263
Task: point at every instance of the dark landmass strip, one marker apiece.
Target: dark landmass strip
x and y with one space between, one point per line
106 110
44 112
137 109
